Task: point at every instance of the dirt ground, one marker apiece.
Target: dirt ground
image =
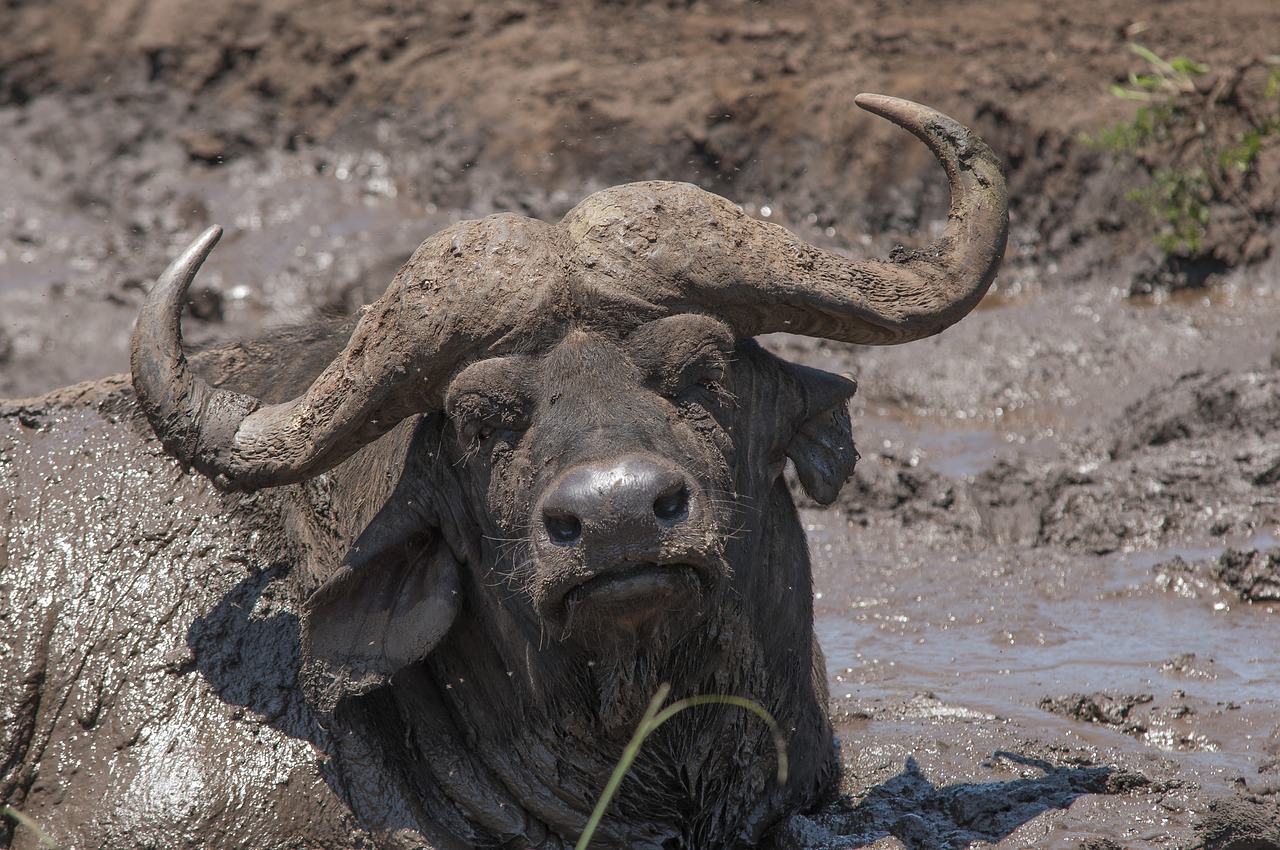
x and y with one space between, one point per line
1049 598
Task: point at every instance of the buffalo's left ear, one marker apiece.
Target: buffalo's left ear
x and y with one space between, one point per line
388 605
822 447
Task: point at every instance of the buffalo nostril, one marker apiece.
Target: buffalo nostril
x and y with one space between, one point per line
672 507
563 529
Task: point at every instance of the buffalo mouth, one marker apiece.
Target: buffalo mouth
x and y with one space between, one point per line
629 596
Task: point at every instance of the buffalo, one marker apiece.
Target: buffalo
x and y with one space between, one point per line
450 553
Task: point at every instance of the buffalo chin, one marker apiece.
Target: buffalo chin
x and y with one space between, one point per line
635 603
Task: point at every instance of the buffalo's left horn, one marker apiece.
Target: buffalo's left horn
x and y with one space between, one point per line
689 250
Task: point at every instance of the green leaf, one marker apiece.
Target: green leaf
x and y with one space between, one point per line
15 815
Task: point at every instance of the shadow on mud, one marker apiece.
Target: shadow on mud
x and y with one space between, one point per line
924 816
249 651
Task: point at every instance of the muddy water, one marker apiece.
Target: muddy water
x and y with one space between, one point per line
993 634
1025 562
997 579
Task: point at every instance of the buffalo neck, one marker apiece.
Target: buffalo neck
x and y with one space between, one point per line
500 707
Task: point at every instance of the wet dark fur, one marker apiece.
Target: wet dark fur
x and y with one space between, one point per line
506 732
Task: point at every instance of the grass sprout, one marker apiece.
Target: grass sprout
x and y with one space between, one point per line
13 814
654 716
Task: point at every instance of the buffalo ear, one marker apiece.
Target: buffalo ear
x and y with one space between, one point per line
392 600
822 447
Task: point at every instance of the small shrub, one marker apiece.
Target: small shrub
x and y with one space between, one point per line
1198 137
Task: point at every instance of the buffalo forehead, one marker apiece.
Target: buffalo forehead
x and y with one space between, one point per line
589 384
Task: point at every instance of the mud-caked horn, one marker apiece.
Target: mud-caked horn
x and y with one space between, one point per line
478 287
628 254
689 250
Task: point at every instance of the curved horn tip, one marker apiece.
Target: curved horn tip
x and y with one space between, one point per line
173 398
194 256
951 141
209 237
167 292
162 307
895 109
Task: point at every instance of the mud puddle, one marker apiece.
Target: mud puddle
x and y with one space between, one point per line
1099 648
954 450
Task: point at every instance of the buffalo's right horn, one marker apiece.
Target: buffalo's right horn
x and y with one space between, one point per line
171 395
477 287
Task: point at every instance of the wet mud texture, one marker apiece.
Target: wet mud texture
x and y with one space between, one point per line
1048 596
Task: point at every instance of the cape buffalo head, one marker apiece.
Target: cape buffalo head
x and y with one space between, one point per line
595 474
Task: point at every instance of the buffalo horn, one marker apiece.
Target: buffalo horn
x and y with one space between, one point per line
688 250
490 287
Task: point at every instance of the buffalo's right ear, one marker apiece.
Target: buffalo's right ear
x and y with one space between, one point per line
388 605
822 448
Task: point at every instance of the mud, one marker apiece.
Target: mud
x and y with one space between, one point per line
1048 599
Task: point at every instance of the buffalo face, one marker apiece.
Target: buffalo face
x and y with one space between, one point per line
603 474
611 476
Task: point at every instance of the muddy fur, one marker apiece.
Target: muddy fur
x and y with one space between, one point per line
446 705
517 694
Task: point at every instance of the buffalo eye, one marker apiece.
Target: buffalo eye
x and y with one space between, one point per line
476 431
685 357
486 400
700 381
479 420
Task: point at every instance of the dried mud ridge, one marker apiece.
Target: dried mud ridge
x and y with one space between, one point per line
1252 575
1196 458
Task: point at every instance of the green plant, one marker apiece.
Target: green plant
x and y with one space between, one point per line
1175 198
654 716
13 814
1198 137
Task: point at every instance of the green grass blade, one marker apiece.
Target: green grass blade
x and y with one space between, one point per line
629 754
755 708
15 815
655 716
